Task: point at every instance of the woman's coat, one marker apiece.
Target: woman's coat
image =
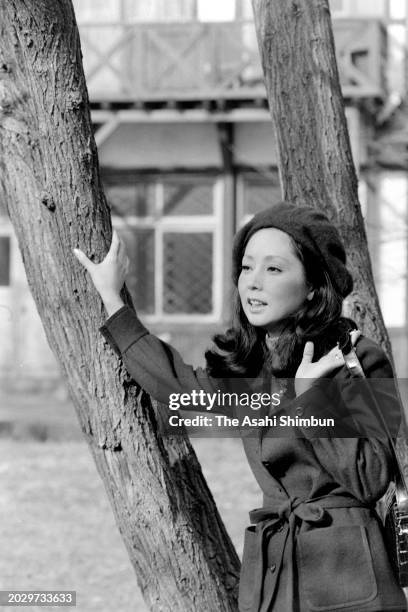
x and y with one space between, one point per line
316 544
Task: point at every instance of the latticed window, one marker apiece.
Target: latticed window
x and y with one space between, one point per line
188 282
257 192
172 230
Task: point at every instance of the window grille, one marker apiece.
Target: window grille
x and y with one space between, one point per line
141 280
257 192
188 272
134 200
172 228
188 199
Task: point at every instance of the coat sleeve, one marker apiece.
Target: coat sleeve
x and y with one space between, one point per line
156 366
356 452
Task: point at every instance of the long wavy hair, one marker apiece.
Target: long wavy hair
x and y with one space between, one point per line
242 350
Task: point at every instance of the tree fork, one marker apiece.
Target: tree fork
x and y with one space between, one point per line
316 168
50 183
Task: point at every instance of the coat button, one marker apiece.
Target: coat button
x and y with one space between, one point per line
272 568
299 411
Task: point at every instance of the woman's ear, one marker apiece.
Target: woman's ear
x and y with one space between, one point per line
310 295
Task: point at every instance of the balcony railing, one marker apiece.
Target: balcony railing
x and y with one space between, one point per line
203 61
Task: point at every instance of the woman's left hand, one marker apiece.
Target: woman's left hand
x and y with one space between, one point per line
309 370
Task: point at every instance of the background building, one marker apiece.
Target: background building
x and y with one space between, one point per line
187 152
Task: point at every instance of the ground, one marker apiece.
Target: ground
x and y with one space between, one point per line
57 529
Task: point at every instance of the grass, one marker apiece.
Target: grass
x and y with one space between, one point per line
57 529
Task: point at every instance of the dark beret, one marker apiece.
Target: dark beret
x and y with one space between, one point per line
307 226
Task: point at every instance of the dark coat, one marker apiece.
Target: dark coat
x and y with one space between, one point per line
317 543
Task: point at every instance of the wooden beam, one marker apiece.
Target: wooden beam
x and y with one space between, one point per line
180 95
225 133
106 129
246 115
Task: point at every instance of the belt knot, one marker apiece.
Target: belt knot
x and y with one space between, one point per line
270 520
312 512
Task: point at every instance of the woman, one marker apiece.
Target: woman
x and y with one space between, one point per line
316 544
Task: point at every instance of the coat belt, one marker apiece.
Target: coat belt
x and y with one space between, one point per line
268 519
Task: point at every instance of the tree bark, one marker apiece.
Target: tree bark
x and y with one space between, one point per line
183 557
316 168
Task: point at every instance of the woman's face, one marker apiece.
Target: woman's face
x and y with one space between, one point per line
272 284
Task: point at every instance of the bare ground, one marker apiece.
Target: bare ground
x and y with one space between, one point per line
57 529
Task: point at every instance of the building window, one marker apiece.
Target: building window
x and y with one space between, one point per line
255 193
397 9
216 11
187 283
100 11
4 261
172 228
340 8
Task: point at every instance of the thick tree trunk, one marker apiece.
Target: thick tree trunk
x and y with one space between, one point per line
297 50
50 182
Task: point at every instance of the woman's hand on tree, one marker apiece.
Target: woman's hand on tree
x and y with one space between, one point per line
309 370
109 275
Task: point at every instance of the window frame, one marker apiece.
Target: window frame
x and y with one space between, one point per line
242 181
161 224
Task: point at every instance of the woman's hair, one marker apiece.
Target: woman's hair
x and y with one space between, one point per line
242 349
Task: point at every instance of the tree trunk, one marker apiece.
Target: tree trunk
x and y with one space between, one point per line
316 168
50 182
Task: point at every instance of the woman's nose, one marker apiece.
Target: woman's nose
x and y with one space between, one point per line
255 280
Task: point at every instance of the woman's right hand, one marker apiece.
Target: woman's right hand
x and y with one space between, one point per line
309 370
109 275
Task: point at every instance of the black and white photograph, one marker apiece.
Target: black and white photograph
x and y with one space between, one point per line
204 305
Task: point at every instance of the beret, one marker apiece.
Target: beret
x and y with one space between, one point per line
307 226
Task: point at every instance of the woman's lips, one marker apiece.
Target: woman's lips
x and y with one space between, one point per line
256 305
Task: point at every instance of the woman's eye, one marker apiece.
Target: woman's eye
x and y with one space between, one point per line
273 269
244 267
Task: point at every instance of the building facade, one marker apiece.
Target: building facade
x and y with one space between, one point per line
188 153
